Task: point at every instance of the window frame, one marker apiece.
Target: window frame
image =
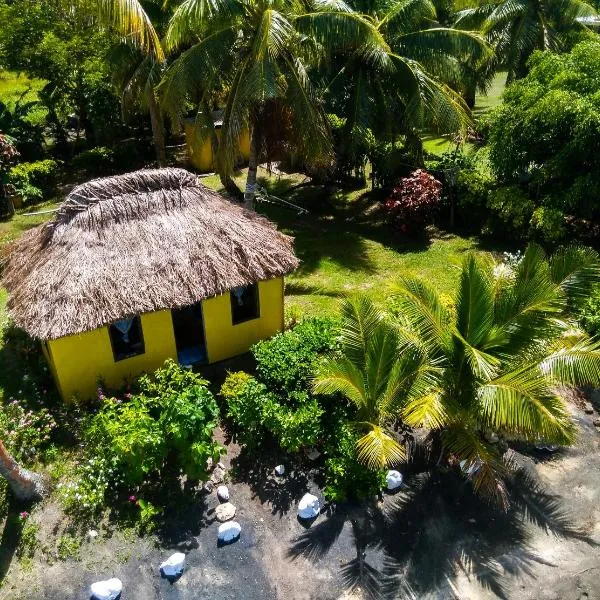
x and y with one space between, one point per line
137 321
232 305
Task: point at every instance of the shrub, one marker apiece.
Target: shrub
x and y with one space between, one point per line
285 363
548 224
345 477
412 203
590 313
130 441
96 160
41 174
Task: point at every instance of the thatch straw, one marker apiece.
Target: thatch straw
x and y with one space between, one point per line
136 243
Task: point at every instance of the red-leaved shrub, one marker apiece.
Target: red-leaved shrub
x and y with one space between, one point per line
412 202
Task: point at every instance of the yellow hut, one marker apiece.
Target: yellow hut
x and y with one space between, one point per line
143 267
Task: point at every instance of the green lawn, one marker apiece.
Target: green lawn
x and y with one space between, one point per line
14 86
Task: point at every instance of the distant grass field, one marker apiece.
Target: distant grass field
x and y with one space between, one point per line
14 86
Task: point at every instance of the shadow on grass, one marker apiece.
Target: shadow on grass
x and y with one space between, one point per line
11 536
435 529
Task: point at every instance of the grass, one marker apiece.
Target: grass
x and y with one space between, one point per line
14 86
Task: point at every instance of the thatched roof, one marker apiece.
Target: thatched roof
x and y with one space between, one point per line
136 243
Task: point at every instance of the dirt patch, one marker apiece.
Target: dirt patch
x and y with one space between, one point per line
433 540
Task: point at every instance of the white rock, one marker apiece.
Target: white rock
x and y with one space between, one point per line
309 507
280 470
225 512
230 531
106 590
394 480
174 565
92 534
221 465
223 493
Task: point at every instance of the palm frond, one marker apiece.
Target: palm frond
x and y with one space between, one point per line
341 376
428 410
378 450
577 365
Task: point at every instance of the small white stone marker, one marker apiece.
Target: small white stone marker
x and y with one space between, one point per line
225 512
309 507
394 480
174 565
223 493
106 590
92 534
280 470
229 532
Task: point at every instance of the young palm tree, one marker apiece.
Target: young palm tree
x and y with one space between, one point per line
375 378
259 52
504 356
516 28
25 484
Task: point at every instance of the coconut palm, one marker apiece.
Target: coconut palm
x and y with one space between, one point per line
517 28
375 378
506 354
260 53
25 484
413 83
140 72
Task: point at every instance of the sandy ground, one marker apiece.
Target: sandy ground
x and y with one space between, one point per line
427 542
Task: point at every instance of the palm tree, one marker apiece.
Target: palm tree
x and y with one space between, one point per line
131 20
503 356
260 53
412 83
516 28
25 484
375 378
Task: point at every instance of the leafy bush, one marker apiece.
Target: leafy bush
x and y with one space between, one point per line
97 160
41 174
345 477
285 363
412 203
590 313
390 162
130 441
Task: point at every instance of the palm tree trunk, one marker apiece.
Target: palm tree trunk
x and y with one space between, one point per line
25 484
252 168
158 128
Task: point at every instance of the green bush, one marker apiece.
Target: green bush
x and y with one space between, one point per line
590 313
32 181
169 422
258 414
285 363
345 477
97 161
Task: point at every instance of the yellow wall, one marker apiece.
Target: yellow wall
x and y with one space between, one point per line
78 361
223 339
200 153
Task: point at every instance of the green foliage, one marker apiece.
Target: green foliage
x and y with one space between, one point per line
28 540
590 312
130 442
286 362
69 546
34 180
148 515
345 477
99 160
545 136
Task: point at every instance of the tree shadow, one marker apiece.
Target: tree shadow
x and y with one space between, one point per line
11 536
279 492
435 529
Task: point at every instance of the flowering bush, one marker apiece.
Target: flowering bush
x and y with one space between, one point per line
413 200
25 432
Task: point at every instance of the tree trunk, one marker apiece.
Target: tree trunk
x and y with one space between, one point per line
252 168
226 181
25 484
7 208
158 128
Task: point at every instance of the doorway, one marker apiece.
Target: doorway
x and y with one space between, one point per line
188 326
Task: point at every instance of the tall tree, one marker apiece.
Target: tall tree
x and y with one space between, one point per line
260 53
516 28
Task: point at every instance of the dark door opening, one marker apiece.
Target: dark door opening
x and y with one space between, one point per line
188 326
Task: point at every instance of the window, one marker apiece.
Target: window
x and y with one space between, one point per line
126 338
244 304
